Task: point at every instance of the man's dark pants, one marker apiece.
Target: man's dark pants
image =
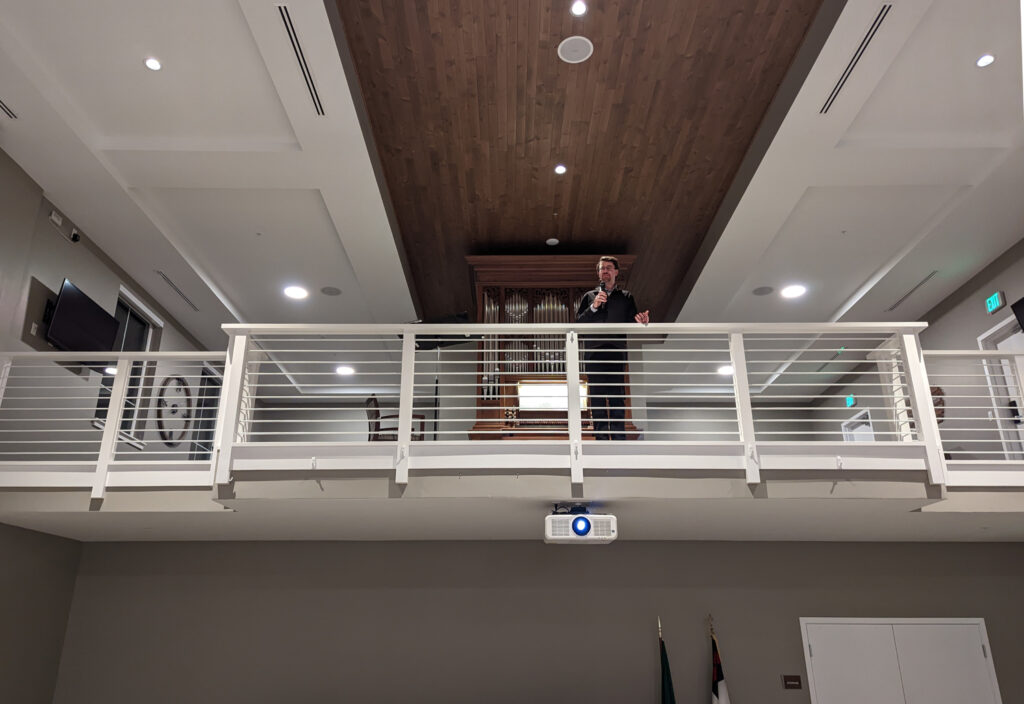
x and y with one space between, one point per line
606 380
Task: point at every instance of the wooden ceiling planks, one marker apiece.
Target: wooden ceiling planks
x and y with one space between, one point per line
471 109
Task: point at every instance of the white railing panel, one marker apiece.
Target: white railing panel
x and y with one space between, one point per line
833 386
305 387
977 400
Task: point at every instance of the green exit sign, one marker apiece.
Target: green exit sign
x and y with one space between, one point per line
994 302
851 401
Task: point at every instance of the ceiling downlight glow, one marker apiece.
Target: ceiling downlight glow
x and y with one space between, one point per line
726 370
110 370
560 169
345 370
579 8
551 241
296 292
153 64
985 60
794 291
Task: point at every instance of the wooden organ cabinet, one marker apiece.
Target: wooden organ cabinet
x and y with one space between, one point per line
529 290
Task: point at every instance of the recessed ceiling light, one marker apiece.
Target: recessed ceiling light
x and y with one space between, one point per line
726 370
985 60
579 8
560 169
794 291
345 370
762 290
110 370
551 241
331 291
153 64
296 292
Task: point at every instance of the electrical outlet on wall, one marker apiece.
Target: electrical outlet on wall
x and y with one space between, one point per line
34 330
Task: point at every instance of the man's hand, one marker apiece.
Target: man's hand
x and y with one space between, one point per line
600 299
643 318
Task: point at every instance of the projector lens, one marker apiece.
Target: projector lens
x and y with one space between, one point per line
581 525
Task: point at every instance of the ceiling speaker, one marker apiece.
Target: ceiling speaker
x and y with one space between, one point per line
574 50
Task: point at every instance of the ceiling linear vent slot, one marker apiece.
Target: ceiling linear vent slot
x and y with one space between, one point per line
856 57
177 290
300 56
7 111
907 295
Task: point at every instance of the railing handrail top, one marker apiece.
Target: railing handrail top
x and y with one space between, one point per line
525 328
114 356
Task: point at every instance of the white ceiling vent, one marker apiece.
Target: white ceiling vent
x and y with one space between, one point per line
300 56
177 290
7 111
856 57
907 295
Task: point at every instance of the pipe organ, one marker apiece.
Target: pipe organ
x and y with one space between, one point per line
527 290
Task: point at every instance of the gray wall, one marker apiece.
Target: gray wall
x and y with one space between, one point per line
956 322
498 622
37 579
31 247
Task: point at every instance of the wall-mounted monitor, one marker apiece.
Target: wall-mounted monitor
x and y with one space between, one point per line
79 324
1018 312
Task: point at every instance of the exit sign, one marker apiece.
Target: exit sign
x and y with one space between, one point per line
851 401
994 302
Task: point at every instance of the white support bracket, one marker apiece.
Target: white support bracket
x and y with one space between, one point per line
744 411
228 409
924 411
111 431
572 383
405 399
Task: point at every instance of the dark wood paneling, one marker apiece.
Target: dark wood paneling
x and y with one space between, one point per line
471 109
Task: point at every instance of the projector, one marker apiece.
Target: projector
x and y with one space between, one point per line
579 528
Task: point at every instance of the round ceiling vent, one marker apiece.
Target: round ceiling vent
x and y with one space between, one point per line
574 50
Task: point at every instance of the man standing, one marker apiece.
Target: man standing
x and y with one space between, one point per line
605 355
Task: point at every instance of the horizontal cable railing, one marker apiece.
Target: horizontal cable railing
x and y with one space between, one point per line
665 383
56 409
734 390
978 402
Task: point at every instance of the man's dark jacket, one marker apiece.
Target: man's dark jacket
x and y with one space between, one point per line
619 308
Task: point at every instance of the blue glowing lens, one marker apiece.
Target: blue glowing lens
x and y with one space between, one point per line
581 525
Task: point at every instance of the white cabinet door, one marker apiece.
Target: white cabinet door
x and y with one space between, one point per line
944 663
853 664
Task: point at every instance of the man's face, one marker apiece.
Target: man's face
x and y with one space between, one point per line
607 272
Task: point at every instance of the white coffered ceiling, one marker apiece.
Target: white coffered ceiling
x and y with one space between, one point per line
914 168
216 169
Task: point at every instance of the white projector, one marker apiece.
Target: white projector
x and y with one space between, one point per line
580 528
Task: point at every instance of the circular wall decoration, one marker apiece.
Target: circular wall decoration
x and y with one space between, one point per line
174 410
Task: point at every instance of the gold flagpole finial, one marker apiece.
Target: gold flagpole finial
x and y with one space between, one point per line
711 626
659 628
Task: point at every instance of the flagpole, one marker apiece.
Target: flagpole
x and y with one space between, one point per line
659 628
711 626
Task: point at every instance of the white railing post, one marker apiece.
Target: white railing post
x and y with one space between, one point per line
572 388
111 431
924 411
405 398
228 409
744 410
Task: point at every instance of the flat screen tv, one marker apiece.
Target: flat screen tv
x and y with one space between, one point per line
79 324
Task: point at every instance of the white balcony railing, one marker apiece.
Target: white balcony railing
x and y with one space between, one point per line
729 401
